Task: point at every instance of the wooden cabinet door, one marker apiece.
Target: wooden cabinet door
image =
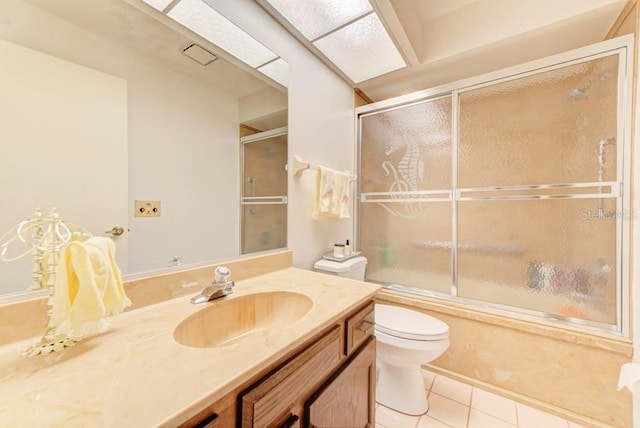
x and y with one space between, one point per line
347 399
269 403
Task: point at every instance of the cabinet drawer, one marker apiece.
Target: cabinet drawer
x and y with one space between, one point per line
275 395
359 327
221 414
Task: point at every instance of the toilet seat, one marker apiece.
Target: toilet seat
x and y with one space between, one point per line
408 324
401 343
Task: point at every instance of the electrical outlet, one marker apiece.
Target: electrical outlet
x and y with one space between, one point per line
146 208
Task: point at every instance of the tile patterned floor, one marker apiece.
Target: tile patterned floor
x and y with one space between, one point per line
454 404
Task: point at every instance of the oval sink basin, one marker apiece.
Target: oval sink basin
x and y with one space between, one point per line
232 319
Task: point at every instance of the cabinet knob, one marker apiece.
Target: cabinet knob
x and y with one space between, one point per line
365 326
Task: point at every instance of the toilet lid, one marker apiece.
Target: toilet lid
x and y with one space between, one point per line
408 324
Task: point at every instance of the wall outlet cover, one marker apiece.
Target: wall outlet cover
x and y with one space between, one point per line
146 208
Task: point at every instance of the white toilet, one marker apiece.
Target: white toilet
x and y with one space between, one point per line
406 340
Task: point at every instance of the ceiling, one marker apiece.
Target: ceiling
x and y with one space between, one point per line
446 40
154 36
440 40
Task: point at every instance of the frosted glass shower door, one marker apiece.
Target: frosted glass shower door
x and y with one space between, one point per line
405 195
538 192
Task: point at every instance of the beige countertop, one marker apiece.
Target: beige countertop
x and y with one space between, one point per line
136 374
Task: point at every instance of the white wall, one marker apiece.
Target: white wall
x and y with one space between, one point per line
45 116
262 104
172 154
321 128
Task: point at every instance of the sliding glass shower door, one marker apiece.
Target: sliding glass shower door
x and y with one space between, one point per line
538 188
405 210
509 193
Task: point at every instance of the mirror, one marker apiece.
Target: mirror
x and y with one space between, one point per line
105 92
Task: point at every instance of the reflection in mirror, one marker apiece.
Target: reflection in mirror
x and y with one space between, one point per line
106 109
264 191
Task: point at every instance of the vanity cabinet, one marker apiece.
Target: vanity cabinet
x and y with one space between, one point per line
328 382
348 398
274 399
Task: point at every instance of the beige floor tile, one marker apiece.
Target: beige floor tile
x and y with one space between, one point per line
428 378
453 389
478 419
428 422
575 425
448 411
494 405
391 419
528 417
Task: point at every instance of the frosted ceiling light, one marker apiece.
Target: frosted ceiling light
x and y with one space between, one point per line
314 18
278 70
200 18
362 50
158 4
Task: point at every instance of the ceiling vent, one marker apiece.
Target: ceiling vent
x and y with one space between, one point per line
199 54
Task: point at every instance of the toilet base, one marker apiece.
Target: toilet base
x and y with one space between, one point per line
401 388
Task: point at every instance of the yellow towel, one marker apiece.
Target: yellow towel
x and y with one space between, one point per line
332 194
88 287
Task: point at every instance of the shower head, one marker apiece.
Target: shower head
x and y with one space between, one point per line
579 94
576 94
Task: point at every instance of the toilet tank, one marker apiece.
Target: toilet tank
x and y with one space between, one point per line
353 268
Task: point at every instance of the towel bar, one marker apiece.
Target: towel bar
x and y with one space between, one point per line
298 166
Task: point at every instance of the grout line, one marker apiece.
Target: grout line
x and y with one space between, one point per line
498 418
450 399
433 381
515 404
470 401
517 416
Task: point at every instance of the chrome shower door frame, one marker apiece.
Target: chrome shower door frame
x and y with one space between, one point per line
620 189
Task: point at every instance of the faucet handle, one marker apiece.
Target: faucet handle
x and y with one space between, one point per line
221 275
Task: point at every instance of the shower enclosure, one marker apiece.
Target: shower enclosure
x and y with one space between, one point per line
264 191
507 191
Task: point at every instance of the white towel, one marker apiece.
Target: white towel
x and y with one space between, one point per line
333 194
345 195
88 287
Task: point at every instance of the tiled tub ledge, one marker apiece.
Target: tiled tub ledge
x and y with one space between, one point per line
568 373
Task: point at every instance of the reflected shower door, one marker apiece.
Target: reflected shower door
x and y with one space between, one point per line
405 195
264 191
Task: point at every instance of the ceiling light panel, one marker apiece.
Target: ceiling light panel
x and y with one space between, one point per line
158 4
200 18
362 50
278 70
314 18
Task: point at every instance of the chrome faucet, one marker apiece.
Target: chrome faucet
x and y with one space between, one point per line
220 287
